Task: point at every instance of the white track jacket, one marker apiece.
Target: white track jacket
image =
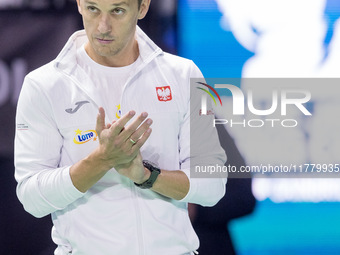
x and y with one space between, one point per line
56 120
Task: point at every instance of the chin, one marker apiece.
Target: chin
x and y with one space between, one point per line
106 51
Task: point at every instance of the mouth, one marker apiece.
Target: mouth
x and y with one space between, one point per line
104 41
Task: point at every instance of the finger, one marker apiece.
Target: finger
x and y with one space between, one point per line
118 126
110 124
143 139
100 125
141 130
129 130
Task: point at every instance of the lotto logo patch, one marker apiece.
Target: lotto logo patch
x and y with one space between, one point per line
82 137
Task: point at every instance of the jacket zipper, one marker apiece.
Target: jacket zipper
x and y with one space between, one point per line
139 227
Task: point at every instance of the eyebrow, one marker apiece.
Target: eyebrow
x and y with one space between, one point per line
117 4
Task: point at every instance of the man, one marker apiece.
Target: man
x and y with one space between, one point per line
90 172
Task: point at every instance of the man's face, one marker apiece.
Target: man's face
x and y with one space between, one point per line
110 27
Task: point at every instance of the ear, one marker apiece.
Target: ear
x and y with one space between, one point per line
144 7
79 8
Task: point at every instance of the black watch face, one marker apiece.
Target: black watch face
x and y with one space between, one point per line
155 171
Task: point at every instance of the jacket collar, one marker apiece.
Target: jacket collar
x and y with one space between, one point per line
66 60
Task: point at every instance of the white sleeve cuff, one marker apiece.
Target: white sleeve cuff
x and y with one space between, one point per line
57 186
204 191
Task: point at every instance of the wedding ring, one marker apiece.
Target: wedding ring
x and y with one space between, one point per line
132 141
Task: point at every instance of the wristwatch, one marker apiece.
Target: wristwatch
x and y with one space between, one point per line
155 171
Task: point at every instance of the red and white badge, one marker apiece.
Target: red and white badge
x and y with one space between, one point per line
164 93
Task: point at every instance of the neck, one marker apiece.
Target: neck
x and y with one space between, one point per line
124 58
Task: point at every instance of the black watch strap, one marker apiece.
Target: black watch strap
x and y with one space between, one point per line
155 171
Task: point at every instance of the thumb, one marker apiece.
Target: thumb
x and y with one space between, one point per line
100 126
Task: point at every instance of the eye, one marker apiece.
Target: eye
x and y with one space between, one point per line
92 9
118 11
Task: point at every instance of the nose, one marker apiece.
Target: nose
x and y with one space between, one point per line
104 24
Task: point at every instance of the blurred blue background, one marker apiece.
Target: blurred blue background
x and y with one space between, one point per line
277 226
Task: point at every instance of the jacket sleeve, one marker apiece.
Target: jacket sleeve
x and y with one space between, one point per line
206 150
239 200
43 187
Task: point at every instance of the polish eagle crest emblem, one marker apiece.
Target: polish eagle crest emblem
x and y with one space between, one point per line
164 93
